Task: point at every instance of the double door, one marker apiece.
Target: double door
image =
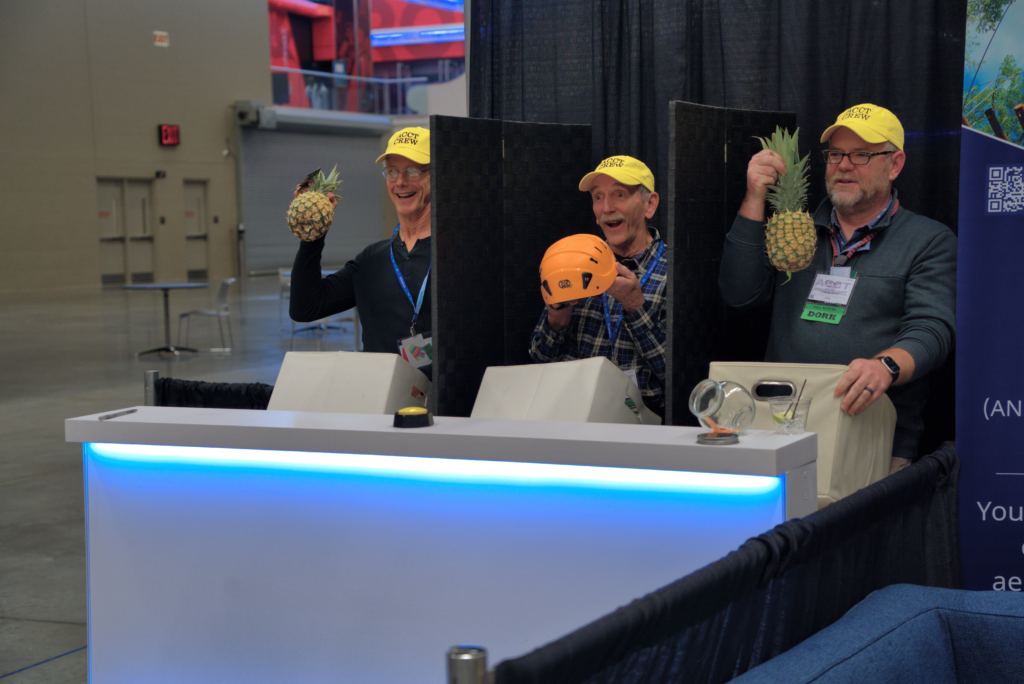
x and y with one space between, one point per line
127 230
196 235
125 221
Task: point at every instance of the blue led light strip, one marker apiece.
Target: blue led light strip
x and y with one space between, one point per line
450 5
449 469
418 35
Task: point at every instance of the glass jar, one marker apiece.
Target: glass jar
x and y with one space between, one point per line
722 406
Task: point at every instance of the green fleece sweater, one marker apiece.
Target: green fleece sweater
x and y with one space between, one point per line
905 297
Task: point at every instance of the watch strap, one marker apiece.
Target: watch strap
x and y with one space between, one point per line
891 366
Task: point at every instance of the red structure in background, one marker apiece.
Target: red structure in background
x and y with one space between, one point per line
352 19
395 13
323 24
283 50
341 44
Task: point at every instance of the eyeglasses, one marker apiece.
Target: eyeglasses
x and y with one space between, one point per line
411 173
858 158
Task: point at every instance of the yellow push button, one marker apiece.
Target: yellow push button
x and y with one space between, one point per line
413 417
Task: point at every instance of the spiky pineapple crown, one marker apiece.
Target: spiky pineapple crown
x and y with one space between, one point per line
790 192
317 182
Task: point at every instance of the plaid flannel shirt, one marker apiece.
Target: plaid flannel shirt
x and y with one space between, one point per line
641 339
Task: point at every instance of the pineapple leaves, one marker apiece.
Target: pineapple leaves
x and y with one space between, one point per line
791 237
316 181
790 191
328 184
309 178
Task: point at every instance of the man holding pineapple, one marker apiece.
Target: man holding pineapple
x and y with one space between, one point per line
899 321
388 280
627 323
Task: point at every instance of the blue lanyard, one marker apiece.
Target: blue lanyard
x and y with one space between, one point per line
613 333
405 288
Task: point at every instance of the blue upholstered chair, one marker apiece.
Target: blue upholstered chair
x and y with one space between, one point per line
907 633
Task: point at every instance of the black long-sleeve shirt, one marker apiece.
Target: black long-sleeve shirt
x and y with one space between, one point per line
368 282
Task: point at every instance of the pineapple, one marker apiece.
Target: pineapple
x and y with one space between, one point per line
311 213
791 237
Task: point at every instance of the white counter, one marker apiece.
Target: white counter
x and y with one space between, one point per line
230 545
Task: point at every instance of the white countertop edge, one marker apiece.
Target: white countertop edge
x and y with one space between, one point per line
598 444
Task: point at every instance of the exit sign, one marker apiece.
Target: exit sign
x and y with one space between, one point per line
169 135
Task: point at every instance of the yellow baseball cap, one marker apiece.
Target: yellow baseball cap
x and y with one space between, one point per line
626 170
412 143
873 123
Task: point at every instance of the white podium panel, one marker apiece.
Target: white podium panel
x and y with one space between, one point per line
583 391
347 382
219 563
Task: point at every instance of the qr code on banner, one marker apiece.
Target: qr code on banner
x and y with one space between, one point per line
1005 189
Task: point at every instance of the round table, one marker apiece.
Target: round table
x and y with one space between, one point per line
166 287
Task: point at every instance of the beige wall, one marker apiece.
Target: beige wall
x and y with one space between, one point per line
82 91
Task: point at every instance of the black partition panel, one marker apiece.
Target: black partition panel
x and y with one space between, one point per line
709 148
466 252
543 166
501 193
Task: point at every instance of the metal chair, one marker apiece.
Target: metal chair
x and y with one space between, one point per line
222 313
322 327
284 285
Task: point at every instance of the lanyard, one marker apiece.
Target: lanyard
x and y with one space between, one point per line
405 288
613 333
841 259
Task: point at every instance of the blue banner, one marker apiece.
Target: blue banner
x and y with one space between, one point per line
990 362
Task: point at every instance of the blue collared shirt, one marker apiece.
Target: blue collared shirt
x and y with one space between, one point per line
860 232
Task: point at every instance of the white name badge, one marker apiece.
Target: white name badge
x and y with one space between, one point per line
834 290
631 374
828 299
417 350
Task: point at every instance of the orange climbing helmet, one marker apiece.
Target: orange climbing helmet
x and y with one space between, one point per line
576 267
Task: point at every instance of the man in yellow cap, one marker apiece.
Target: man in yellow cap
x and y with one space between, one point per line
898 321
388 280
627 324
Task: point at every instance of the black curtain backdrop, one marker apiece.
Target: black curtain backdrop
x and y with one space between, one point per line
616 64
776 590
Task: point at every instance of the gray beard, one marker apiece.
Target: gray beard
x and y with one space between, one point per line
864 198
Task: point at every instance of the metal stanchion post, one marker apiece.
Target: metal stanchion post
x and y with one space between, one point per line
150 394
467 665
243 276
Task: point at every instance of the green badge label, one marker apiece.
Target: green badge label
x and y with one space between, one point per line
632 406
823 313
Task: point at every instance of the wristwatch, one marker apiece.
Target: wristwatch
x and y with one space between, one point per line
890 366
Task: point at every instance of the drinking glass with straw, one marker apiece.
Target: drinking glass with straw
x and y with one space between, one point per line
790 413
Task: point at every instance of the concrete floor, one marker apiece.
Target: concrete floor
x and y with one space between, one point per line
67 354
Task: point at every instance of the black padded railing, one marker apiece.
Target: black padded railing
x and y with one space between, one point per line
199 394
772 593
